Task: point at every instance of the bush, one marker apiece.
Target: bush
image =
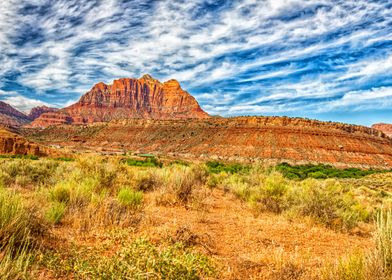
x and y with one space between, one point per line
148 182
148 162
129 198
232 168
322 171
327 202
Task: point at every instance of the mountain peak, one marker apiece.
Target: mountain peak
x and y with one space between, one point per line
172 83
149 78
129 98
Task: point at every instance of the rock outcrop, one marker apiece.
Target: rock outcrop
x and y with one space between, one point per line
384 127
9 116
11 143
36 112
128 98
275 139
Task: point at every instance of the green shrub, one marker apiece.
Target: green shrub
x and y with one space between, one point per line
148 162
232 168
129 198
322 171
327 202
56 212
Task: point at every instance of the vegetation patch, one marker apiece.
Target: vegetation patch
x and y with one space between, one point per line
30 157
137 260
148 162
322 171
232 168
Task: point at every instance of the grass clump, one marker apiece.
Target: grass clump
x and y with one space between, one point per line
15 221
130 198
322 171
16 236
56 212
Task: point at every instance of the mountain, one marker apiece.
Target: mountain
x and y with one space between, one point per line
270 139
36 112
128 98
9 116
386 128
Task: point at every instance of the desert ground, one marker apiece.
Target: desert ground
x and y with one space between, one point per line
142 217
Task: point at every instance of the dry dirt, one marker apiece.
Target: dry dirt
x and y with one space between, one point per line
244 246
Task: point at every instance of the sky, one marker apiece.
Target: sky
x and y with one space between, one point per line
328 60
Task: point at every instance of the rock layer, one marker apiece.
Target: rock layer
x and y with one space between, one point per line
386 128
127 98
277 139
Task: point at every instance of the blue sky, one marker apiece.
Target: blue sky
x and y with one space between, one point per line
329 60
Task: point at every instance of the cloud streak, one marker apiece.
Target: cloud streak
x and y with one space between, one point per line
293 57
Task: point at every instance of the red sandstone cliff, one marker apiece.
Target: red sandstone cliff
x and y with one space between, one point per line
11 143
386 128
128 98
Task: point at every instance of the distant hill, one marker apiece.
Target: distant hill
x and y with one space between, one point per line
36 112
9 116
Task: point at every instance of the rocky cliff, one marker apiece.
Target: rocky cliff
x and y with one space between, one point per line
275 139
36 112
128 98
9 116
11 143
386 128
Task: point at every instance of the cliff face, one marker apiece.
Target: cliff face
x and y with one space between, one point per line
386 128
275 139
11 143
36 112
128 98
9 116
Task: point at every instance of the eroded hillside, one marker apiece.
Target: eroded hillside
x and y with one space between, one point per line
243 138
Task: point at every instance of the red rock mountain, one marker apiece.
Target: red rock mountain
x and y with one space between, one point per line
9 116
386 128
127 98
36 112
